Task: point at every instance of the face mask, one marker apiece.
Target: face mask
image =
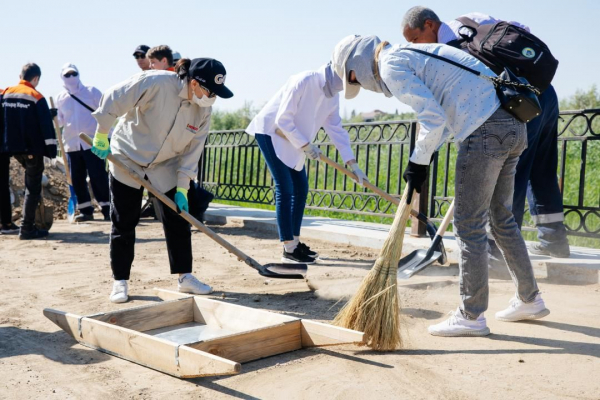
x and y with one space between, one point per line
205 101
71 83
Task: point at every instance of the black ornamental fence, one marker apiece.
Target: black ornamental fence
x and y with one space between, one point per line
233 169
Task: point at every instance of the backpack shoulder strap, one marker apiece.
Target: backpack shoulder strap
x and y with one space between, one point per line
466 21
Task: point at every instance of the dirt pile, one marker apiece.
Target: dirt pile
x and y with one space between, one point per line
55 192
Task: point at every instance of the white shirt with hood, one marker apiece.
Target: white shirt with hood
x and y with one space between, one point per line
300 108
72 116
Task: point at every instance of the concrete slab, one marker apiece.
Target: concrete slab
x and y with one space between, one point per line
583 267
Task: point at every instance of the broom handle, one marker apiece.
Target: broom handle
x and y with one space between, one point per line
60 143
169 203
446 220
367 184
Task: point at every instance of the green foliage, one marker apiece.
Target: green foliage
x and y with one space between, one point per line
227 120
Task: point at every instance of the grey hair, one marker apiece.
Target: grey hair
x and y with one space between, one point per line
416 17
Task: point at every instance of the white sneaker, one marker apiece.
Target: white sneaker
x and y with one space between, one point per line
519 311
119 292
188 283
457 325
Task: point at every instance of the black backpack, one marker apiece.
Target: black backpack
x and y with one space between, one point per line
502 45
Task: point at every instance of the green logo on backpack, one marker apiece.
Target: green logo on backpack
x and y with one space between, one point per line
528 52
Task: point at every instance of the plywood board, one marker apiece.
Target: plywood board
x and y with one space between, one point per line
151 316
192 332
249 346
320 334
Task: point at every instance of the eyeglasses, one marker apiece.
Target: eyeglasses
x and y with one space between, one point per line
138 56
210 95
70 74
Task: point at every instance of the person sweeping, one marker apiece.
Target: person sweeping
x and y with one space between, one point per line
284 130
164 122
450 101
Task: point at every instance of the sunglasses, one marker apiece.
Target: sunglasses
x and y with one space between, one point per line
138 56
210 95
70 74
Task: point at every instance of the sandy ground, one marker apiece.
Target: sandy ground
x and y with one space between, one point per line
558 357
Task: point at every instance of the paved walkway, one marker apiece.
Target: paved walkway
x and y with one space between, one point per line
583 267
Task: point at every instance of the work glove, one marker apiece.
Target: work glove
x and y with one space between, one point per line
53 112
181 200
101 146
414 175
311 151
360 175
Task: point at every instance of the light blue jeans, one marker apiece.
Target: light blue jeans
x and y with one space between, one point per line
484 188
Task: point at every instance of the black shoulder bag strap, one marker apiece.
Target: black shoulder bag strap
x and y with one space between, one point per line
497 81
81 102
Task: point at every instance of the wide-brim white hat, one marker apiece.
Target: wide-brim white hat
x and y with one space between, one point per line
340 55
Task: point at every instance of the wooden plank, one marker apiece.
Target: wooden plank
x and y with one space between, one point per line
166 295
320 334
249 346
66 321
237 318
153 316
162 355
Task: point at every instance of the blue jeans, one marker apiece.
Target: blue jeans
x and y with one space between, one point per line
536 177
484 187
291 189
81 164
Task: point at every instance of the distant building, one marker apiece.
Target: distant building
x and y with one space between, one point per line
372 116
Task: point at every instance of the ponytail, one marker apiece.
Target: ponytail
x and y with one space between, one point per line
182 69
380 47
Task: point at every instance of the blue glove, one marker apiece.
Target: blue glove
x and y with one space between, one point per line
101 146
181 200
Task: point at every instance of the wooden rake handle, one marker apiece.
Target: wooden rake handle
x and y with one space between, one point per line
61 144
185 215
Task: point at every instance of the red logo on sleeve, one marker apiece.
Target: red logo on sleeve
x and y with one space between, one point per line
192 128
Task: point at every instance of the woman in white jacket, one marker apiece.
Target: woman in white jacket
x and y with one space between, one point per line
164 122
284 130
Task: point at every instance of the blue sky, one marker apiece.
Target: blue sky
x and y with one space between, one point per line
261 42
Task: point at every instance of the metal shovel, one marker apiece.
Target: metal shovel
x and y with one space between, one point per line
419 259
281 271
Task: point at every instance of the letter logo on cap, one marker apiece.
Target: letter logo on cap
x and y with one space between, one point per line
220 79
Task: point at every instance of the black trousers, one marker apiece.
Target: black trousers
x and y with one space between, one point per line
34 169
5 206
81 164
125 208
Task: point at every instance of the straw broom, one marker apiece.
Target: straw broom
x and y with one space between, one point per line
374 309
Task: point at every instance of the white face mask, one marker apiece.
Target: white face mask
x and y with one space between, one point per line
205 101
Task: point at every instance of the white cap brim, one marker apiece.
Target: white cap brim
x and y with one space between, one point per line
341 53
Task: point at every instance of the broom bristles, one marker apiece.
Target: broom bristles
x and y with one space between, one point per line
374 308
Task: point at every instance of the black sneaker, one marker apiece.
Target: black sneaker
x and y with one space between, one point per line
296 257
35 233
306 250
541 250
11 229
84 217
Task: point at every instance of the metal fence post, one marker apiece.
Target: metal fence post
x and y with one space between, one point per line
419 201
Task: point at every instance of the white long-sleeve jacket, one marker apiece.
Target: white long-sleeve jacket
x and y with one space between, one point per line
75 118
161 133
300 109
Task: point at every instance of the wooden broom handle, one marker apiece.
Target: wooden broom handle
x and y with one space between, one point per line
169 203
60 143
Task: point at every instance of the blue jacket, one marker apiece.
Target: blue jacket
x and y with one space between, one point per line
25 122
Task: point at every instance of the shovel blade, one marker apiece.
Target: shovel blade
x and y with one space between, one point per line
415 262
284 271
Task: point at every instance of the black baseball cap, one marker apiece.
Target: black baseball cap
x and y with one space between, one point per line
142 48
211 74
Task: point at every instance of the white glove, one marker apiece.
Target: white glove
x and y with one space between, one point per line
311 151
360 175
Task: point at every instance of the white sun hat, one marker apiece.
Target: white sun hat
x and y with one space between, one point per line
340 55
